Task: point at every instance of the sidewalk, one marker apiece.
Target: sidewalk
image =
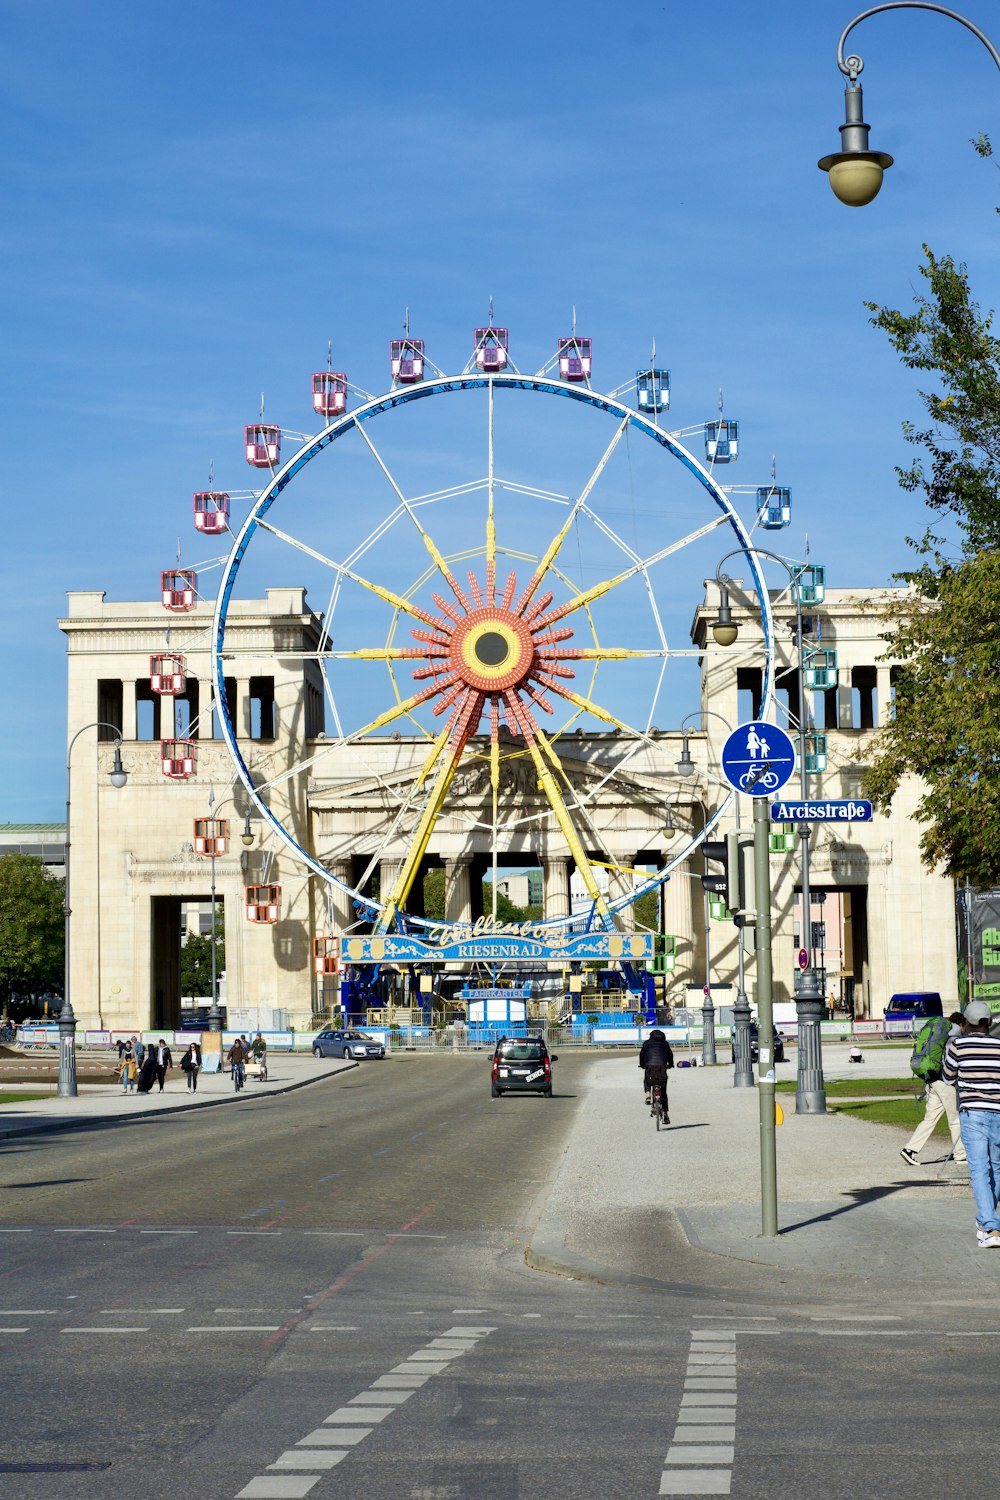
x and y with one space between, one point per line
105 1104
628 1205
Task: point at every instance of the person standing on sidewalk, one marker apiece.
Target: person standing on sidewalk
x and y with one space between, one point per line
972 1063
191 1065
163 1061
940 1097
127 1070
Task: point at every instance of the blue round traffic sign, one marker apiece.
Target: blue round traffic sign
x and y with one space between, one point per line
757 759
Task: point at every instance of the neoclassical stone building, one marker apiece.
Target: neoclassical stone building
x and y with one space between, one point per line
890 923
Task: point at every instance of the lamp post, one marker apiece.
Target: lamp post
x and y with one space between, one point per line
708 1053
743 1075
810 1095
214 1012
856 171
66 1087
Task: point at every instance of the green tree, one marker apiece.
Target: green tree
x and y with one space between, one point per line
32 928
945 630
196 962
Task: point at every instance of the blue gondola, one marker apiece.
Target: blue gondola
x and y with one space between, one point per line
774 507
722 440
653 390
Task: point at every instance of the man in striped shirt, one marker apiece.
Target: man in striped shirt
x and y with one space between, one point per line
972 1063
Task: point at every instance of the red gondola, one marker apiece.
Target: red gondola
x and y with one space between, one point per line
177 757
167 674
177 588
329 393
211 511
263 445
263 903
574 358
211 836
326 955
491 349
406 360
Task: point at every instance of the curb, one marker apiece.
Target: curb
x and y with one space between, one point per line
86 1123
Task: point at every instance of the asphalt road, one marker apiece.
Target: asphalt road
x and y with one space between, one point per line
325 1294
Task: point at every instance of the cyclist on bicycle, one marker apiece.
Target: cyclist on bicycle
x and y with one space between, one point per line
236 1058
655 1057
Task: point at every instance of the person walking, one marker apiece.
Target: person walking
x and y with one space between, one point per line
939 1096
972 1064
191 1065
162 1061
258 1050
128 1070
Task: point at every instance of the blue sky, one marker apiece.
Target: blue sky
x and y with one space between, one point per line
197 197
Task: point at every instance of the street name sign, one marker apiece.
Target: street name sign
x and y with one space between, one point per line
757 759
847 810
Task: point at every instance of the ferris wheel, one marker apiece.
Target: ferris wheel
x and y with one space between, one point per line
498 570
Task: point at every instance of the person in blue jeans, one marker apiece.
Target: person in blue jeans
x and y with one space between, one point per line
972 1062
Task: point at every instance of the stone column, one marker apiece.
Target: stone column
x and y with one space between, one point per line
340 904
555 888
387 872
458 889
619 883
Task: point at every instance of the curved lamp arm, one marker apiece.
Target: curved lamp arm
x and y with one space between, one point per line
852 66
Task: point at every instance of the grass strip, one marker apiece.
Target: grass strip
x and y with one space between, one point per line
903 1113
857 1088
15 1098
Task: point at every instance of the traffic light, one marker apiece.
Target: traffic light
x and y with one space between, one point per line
717 850
736 883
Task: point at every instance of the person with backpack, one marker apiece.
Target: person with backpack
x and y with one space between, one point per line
972 1063
926 1063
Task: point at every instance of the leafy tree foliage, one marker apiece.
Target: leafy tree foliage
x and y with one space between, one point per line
945 630
32 929
196 962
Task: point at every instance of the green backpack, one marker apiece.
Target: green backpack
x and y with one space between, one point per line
929 1045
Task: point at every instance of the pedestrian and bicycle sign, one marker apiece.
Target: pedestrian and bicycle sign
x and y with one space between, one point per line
845 810
758 759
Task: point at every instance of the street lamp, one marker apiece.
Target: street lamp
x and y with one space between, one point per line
708 1054
246 838
726 631
856 171
118 776
810 1096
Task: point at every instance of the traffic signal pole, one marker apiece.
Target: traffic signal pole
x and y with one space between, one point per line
765 1021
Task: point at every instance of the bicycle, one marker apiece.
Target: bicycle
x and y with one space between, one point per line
239 1075
658 1105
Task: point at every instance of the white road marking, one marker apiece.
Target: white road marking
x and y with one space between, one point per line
373 1398
84 1231
334 1435
309 1458
695 1482
105 1329
140 1312
328 1445
705 1433
351 1414
237 1328
279 1487
13 1330
29 1312
168 1231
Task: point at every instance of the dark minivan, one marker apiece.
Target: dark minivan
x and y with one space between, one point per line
521 1064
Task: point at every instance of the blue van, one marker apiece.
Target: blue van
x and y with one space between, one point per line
915 1006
